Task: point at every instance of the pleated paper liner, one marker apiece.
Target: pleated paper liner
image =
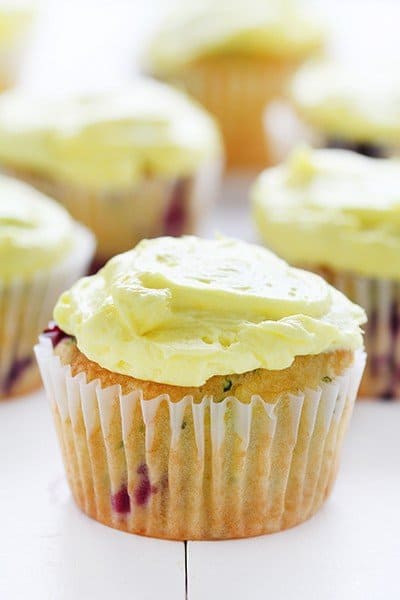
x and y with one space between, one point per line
236 91
381 300
208 470
153 207
25 309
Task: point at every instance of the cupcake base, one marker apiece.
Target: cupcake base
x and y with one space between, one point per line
121 218
236 90
197 470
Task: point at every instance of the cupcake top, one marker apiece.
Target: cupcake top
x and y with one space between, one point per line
277 28
35 232
332 208
109 139
15 18
358 103
180 310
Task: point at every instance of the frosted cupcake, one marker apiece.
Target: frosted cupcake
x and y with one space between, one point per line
15 23
235 57
131 163
351 106
42 252
201 389
338 213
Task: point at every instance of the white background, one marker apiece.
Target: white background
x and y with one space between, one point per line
48 549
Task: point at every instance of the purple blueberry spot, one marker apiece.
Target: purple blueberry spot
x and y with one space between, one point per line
121 501
55 334
175 216
143 489
15 372
365 148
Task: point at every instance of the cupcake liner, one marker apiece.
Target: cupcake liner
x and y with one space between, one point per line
25 309
121 218
208 470
236 92
381 300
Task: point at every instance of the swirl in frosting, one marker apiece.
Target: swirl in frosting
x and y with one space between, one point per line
178 311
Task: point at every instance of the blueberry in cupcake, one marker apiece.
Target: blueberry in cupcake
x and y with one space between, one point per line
203 389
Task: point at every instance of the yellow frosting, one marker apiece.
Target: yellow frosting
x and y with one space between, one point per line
180 310
353 102
112 138
15 18
35 232
334 208
276 28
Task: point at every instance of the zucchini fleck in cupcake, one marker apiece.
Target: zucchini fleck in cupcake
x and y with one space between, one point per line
351 106
338 213
235 57
132 163
42 252
201 389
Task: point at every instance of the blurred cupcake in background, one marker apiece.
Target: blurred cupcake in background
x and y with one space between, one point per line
235 57
16 17
42 252
352 106
201 389
130 163
338 213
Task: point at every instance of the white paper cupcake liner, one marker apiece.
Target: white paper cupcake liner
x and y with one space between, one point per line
120 218
208 470
381 300
25 310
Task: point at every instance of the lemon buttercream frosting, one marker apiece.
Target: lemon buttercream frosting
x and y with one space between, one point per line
351 101
332 208
35 232
277 28
108 139
180 310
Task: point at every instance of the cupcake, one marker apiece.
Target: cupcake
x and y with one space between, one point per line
338 213
15 22
350 106
201 389
131 163
42 252
235 57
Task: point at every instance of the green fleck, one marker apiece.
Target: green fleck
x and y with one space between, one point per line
327 379
227 385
